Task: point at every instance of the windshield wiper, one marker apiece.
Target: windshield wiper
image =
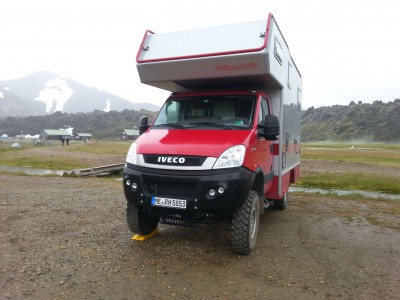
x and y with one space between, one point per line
212 124
173 125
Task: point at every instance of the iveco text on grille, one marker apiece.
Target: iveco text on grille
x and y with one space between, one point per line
174 160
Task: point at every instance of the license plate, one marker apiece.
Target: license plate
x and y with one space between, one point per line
168 202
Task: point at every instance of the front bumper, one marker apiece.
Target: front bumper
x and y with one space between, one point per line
192 186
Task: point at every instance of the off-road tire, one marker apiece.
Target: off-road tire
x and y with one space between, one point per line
281 204
245 223
139 221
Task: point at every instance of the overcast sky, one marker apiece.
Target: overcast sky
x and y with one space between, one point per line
346 50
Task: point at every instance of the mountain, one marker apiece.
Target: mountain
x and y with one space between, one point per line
377 121
13 105
44 93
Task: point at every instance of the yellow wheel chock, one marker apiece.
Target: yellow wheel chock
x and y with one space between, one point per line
139 237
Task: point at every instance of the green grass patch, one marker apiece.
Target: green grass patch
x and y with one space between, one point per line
100 147
382 157
5 147
355 145
77 155
353 181
44 162
376 154
353 196
384 205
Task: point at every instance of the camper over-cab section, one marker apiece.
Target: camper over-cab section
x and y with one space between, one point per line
247 55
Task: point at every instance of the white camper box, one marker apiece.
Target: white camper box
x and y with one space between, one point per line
250 55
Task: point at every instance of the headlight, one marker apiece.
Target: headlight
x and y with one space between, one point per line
233 157
131 157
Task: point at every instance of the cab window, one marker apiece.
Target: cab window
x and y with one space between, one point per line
264 111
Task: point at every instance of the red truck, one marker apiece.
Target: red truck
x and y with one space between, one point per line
226 142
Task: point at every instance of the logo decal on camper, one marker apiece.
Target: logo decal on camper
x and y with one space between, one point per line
243 66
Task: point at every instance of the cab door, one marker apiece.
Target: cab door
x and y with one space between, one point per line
264 146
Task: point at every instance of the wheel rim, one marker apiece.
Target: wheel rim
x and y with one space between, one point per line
253 222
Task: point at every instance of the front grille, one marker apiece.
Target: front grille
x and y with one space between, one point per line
172 190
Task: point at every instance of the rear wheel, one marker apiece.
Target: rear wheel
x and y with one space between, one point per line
139 221
245 223
282 203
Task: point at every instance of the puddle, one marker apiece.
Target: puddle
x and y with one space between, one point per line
30 171
345 192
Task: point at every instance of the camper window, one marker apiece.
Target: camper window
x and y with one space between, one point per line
278 51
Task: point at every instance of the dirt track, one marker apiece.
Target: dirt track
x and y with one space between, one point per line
66 238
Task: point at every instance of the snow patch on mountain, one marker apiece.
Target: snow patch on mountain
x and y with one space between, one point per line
108 106
2 93
55 95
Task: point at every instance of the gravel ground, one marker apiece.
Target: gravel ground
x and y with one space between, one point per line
67 238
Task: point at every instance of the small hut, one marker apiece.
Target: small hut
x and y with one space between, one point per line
55 134
84 136
130 134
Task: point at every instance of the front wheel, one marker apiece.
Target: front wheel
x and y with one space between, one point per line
245 223
139 221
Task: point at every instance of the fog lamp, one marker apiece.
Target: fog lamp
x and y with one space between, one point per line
128 182
211 192
221 190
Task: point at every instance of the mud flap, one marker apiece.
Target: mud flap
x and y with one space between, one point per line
261 200
140 237
266 203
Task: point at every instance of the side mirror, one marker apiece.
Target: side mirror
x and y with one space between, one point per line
143 124
271 127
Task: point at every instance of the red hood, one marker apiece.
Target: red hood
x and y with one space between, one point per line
190 142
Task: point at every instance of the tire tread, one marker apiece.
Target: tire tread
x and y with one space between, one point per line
240 226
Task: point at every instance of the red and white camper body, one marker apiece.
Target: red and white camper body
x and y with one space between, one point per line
218 64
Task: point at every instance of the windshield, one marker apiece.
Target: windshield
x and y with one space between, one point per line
211 112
